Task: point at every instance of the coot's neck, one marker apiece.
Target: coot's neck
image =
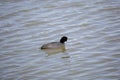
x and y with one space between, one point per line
62 41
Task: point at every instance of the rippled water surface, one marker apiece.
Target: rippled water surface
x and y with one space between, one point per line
92 50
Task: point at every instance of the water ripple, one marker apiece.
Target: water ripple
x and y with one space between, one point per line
93 34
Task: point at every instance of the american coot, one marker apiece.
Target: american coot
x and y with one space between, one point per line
55 45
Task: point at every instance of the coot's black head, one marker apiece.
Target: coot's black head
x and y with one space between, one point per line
63 39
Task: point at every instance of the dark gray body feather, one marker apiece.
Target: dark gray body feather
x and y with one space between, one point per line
53 45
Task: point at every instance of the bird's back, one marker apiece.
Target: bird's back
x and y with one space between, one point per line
53 45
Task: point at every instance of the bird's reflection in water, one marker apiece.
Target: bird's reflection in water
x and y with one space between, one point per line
50 52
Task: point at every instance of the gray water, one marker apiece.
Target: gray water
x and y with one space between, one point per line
93 46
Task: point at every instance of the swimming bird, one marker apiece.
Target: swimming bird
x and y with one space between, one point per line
55 45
